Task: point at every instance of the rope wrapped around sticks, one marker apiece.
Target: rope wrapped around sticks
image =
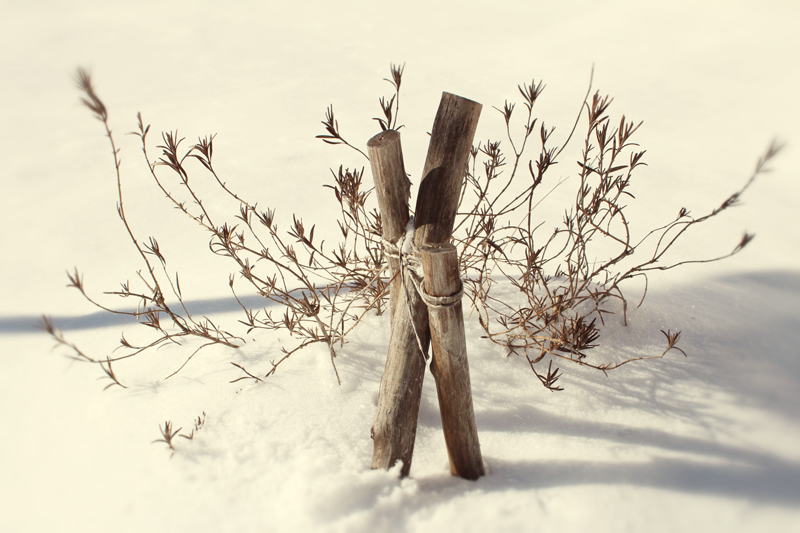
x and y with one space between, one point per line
407 253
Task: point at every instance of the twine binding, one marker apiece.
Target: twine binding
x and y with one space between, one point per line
407 254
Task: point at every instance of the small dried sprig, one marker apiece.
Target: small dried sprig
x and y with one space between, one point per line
397 75
248 376
46 324
110 374
198 423
672 341
333 136
391 107
386 107
167 434
84 80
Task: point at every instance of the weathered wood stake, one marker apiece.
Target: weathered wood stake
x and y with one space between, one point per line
394 191
395 426
449 367
445 167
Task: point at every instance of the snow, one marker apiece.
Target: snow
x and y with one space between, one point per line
708 442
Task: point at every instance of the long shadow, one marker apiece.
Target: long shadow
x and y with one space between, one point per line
776 484
742 337
528 419
198 308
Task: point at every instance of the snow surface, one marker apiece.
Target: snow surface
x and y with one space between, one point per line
710 442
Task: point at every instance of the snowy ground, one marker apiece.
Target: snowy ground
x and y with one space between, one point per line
710 442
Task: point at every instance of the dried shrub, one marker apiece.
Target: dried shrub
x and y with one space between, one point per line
566 288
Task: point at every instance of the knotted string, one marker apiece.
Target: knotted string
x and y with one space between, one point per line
407 254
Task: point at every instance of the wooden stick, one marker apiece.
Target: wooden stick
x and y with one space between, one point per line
393 190
395 426
450 367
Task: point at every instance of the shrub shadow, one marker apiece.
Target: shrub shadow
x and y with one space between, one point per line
741 335
101 319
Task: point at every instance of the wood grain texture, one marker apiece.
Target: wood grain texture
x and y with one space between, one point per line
445 168
395 427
